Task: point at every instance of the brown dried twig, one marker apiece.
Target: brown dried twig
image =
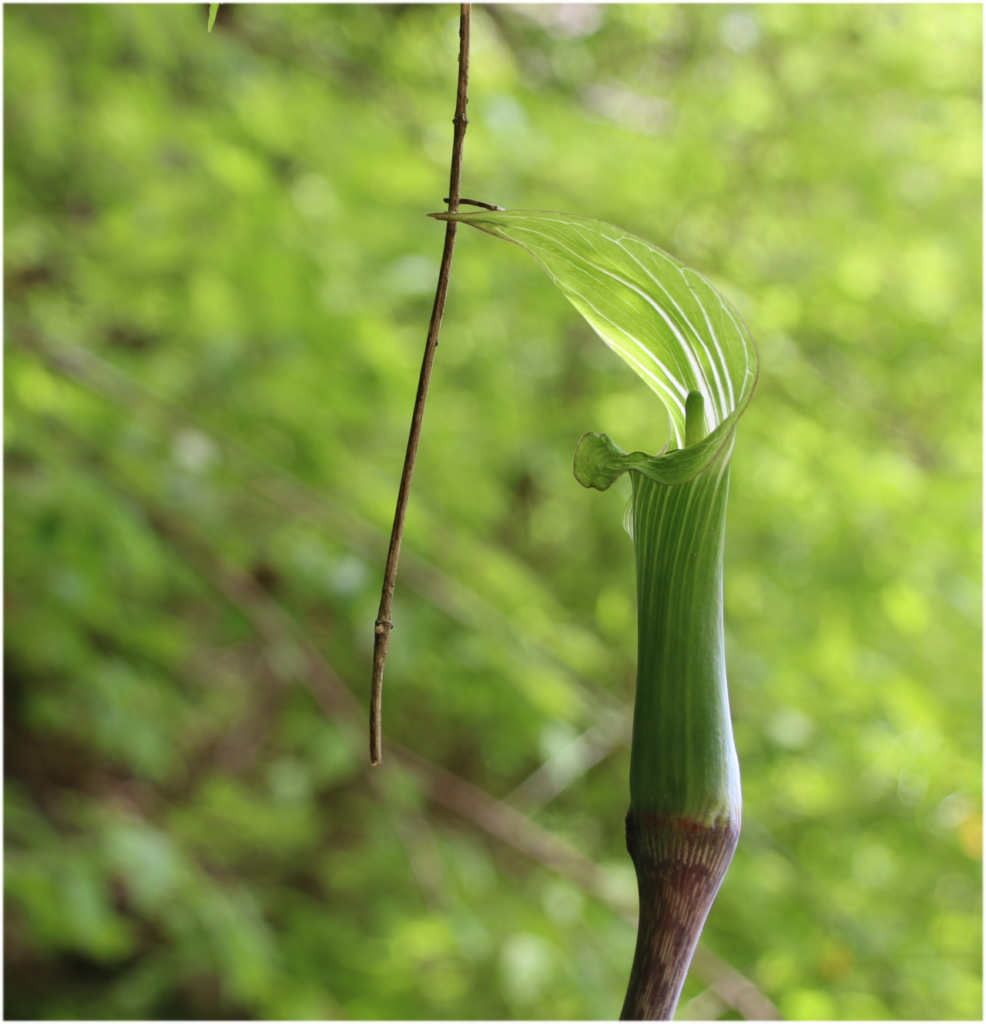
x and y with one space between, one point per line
383 626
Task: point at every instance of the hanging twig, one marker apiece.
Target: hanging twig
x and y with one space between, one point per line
383 625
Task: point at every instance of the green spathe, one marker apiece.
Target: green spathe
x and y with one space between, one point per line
683 760
690 346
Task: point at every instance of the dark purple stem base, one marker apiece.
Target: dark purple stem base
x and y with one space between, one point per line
680 865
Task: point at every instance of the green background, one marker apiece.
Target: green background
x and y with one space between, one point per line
218 277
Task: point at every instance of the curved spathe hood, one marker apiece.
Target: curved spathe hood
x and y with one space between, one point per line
667 321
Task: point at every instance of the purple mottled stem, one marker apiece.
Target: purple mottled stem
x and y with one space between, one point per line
680 865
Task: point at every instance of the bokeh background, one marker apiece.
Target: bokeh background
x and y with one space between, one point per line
218 275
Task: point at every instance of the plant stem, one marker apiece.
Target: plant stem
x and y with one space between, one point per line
383 625
680 865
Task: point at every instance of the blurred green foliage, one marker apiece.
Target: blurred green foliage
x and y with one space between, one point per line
218 276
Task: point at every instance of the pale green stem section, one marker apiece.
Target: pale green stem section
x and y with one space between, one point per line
683 760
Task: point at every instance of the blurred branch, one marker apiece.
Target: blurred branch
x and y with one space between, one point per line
731 987
705 1006
572 762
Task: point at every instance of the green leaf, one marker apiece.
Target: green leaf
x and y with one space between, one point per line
672 326
213 11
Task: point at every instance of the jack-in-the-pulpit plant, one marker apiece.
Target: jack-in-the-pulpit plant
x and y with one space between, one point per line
691 347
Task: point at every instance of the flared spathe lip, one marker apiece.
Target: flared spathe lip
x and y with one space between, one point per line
599 461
